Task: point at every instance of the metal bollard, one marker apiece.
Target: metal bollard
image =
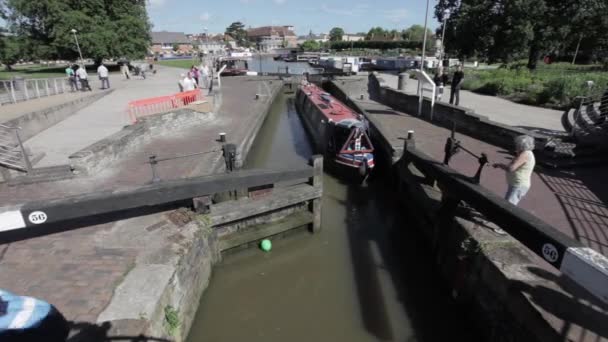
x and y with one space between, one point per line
410 135
153 162
223 137
401 81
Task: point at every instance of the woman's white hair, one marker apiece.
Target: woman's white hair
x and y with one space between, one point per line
524 143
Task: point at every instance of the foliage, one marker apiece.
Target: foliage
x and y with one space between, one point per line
368 44
311 45
335 34
105 28
171 320
10 51
236 30
175 47
509 30
554 86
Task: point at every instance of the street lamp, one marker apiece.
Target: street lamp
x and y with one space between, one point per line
446 15
78 46
426 16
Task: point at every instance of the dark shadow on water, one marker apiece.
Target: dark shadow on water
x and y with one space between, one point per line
384 240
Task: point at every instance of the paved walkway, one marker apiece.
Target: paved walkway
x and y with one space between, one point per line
79 270
575 201
15 110
496 108
102 118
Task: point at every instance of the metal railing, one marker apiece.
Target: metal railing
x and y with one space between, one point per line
155 105
12 151
591 116
17 90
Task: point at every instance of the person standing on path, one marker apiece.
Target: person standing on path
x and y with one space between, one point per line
84 78
440 79
124 69
71 78
189 83
519 171
457 80
102 71
204 76
195 73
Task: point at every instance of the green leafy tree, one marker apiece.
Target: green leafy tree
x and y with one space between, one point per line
311 45
105 28
374 32
10 51
175 47
335 34
236 30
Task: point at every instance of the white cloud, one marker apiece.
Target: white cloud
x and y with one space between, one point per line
205 16
156 3
279 2
396 15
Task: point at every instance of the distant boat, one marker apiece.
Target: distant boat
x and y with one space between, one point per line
235 66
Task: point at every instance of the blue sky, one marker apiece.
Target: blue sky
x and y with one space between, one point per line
192 16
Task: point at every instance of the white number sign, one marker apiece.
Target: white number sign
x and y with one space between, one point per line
37 217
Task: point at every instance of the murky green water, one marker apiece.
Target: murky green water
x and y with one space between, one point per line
365 277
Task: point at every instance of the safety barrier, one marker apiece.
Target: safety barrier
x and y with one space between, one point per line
161 104
18 90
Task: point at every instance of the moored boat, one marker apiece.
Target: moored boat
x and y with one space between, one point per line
337 131
235 66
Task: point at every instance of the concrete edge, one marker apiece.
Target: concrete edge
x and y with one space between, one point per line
35 122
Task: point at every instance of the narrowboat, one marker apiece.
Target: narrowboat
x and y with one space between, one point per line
235 66
338 132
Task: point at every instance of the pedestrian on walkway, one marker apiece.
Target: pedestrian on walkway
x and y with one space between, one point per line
519 171
84 78
204 76
457 80
195 73
189 83
440 79
124 69
69 72
102 72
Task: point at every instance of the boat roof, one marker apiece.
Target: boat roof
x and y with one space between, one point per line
333 109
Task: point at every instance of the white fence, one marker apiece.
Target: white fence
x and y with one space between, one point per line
17 90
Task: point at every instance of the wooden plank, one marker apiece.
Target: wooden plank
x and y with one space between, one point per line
231 211
262 231
164 192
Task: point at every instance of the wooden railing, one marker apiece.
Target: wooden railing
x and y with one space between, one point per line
250 193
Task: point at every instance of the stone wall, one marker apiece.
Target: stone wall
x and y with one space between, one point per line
104 153
35 122
465 120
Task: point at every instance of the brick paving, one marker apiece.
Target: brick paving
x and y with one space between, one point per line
575 201
78 270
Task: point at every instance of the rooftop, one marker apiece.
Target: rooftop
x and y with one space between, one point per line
282 31
170 37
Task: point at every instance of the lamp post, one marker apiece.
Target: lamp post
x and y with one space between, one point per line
446 15
78 46
426 16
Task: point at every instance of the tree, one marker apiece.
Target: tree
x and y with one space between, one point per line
374 32
175 47
335 34
105 28
311 45
236 30
10 51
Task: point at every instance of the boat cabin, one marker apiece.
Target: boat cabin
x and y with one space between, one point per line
234 66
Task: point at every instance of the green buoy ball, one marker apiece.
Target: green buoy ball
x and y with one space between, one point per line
266 245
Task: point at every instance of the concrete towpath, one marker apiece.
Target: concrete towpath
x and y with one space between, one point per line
102 118
496 108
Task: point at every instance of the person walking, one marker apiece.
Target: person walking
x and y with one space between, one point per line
124 69
519 171
84 78
457 80
189 83
440 79
69 72
195 73
102 72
